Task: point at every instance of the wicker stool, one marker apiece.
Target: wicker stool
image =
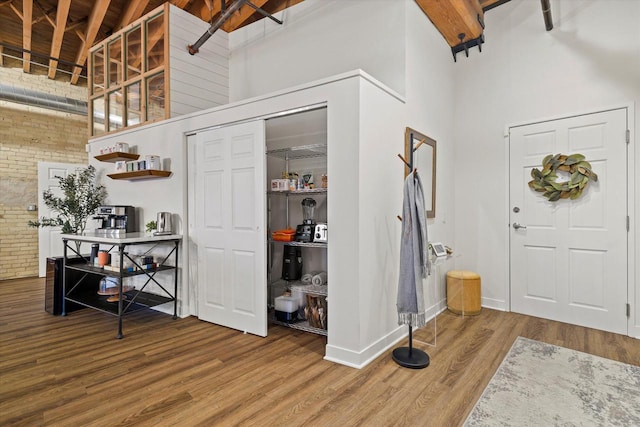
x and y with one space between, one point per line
464 293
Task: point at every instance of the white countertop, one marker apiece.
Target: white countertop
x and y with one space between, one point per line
126 238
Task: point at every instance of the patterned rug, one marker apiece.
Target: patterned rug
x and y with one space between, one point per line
540 384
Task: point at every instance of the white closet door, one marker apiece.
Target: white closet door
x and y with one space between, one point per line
230 226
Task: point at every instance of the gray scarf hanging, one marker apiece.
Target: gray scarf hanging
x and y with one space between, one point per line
414 259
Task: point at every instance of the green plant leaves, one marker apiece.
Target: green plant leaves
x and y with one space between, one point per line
81 197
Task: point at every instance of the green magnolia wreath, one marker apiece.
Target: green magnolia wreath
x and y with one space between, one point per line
544 180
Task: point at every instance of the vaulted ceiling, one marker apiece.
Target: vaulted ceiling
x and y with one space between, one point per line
53 36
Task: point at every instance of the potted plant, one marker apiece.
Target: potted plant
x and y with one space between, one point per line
81 197
150 227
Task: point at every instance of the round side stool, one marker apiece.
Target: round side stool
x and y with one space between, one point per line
464 294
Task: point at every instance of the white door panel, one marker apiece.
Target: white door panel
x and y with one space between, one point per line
49 242
570 262
229 223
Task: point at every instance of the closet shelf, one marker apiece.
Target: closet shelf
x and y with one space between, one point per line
300 152
299 192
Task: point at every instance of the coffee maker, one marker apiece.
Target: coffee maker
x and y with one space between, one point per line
292 263
116 220
305 231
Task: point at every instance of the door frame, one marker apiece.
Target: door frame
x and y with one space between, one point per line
633 274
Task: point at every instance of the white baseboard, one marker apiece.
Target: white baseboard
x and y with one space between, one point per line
367 355
495 304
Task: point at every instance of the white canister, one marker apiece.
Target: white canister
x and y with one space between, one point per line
122 147
153 162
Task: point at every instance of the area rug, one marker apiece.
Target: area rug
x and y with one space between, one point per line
540 384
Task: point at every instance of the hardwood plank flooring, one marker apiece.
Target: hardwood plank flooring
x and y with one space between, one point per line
71 371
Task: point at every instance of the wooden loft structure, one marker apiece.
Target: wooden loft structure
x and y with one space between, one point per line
54 36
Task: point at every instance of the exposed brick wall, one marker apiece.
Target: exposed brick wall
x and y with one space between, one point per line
29 135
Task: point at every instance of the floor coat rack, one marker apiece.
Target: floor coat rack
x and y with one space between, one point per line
410 357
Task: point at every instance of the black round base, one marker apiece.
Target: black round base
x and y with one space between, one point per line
418 359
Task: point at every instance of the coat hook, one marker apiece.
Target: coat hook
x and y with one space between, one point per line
405 162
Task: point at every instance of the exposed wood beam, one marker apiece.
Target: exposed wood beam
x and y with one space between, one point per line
95 20
27 15
1 56
73 25
238 18
5 2
180 3
45 14
454 17
58 34
132 12
204 10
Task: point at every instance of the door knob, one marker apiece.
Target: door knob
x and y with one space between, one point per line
517 226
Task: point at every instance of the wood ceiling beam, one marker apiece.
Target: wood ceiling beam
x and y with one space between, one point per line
245 12
58 34
180 3
133 11
95 21
27 16
45 14
204 9
454 17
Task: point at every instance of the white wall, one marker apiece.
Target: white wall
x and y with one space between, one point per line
589 61
198 81
319 38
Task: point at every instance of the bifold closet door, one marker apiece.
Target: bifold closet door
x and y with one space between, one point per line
230 223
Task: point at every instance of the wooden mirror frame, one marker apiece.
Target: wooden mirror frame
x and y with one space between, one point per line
416 142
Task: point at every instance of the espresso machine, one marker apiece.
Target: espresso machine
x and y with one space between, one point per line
116 220
305 231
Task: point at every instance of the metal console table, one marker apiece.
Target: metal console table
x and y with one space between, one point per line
128 301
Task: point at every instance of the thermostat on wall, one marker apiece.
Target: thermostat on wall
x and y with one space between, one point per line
438 249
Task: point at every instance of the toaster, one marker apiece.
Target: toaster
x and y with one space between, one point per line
320 233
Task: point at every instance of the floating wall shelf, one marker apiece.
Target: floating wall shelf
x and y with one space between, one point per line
116 157
143 174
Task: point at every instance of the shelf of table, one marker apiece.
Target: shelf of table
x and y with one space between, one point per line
101 271
142 174
117 157
89 298
301 325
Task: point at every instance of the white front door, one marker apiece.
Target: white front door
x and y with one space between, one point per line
570 262
49 242
230 226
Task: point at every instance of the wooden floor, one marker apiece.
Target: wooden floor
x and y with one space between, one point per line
72 371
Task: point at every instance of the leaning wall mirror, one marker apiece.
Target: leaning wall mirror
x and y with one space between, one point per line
420 151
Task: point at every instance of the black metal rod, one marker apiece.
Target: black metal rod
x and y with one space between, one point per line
263 12
175 284
64 276
193 48
546 13
41 55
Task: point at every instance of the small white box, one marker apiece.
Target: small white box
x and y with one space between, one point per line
153 162
121 166
286 304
